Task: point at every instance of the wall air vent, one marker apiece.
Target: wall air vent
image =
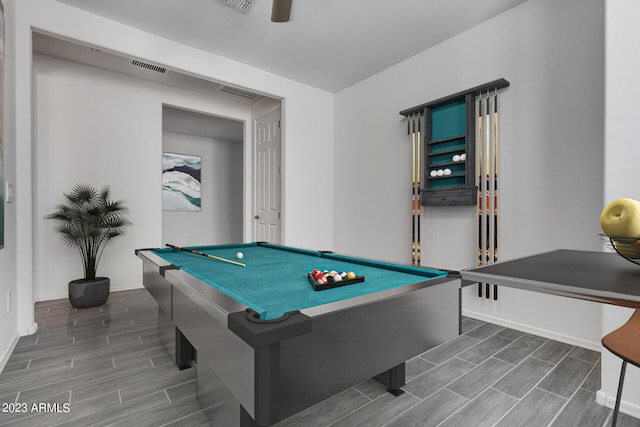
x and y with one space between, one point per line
149 67
239 5
239 92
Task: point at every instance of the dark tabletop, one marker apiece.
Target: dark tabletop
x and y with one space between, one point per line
594 276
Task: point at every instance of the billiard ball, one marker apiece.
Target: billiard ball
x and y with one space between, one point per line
239 255
319 277
351 275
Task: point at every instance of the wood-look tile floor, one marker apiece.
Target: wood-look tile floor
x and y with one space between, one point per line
105 366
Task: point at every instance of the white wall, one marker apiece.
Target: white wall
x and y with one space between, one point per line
551 155
220 217
622 152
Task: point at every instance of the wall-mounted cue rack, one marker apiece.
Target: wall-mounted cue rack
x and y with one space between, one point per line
449 139
458 132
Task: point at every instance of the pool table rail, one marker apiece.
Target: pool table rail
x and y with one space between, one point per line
351 303
402 268
161 265
192 285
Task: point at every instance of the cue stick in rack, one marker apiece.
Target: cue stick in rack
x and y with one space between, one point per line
495 186
487 205
480 138
412 132
217 258
418 177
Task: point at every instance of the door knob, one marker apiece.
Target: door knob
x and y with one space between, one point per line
257 217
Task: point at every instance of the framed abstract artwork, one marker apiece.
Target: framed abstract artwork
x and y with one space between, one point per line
181 182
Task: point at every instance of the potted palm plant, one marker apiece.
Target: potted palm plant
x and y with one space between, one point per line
88 221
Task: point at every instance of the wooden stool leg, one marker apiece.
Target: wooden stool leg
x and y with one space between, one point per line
617 407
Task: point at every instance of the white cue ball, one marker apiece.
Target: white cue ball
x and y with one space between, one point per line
433 173
456 158
463 157
440 172
239 255
447 172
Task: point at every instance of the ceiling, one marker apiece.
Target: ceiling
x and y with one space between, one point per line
328 44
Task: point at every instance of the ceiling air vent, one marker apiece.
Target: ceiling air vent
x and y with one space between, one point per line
149 67
239 92
239 5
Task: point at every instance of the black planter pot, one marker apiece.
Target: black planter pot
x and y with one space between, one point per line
89 293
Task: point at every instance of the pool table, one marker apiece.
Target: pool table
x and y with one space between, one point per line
267 345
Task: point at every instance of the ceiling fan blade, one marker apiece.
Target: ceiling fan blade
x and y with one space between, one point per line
281 10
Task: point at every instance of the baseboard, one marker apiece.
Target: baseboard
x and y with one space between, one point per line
4 357
609 401
29 331
595 346
126 287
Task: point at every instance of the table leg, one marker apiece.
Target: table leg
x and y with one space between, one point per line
184 351
245 419
393 378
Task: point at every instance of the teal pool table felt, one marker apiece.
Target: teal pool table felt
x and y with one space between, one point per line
275 281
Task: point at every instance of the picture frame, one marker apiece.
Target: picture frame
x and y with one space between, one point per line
181 182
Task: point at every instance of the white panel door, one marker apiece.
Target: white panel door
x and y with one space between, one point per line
267 191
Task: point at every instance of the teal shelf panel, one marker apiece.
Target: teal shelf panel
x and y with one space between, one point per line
449 120
449 134
458 144
448 181
444 158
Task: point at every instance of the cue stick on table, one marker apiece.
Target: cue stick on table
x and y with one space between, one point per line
217 258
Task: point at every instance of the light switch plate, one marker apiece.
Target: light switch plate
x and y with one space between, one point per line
8 193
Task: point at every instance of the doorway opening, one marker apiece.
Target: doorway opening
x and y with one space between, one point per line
203 177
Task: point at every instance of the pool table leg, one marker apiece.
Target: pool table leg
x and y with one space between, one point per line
245 419
184 351
393 378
